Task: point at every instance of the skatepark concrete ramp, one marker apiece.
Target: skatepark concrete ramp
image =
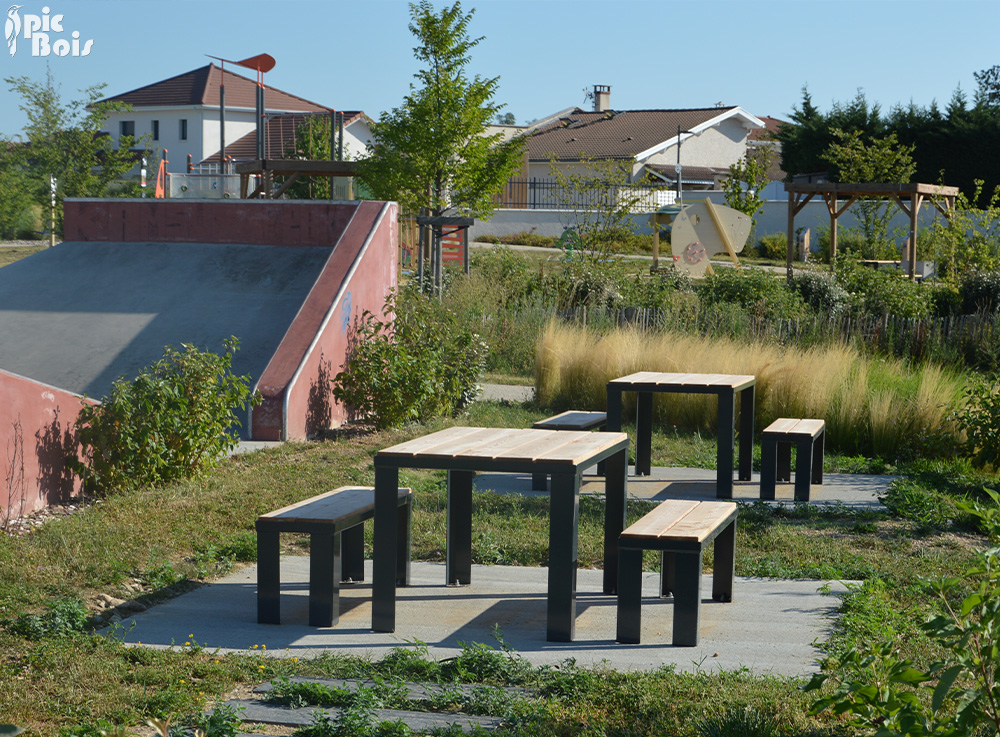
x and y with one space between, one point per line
287 278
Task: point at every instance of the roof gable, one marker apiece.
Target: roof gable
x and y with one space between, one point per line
624 134
201 87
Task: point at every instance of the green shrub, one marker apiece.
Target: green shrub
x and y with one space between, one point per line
821 292
524 238
67 616
175 420
757 291
979 418
876 688
875 292
773 246
980 291
414 364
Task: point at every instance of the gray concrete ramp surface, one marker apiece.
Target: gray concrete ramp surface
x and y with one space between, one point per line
80 315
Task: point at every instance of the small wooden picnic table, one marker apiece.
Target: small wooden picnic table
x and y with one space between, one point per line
462 451
725 386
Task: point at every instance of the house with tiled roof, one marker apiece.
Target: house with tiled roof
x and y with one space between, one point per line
181 113
649 142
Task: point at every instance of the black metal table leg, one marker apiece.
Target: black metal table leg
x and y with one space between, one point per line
268 577
615 490
458 553
563 525
384 543
746 433
726 444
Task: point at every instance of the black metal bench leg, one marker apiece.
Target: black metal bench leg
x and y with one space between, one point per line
818 446
803 469
687 599
324 579
629 595
668 574
784 472
268 577
724 564
746 434
404 543
539 482
352 548
615 485
768 467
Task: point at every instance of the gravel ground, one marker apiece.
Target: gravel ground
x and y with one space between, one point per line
28 244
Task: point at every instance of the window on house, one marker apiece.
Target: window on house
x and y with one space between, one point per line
126 128
156 130
184 129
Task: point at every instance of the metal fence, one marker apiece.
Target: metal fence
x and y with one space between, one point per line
547 194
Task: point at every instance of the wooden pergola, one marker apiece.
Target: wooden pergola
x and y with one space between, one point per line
267 169
909 197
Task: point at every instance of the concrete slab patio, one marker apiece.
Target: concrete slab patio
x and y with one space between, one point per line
770 627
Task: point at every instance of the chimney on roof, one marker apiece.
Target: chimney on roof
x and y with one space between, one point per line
602 97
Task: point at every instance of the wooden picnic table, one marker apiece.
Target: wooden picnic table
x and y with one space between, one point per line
462 451
725 386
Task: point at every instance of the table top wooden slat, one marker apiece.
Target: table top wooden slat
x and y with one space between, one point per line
582 447
680 380
508 439
452 437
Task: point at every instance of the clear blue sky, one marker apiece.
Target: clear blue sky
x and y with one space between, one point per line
654 53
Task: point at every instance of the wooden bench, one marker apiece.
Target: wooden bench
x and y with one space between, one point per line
776 442
335 524
570 420
680 529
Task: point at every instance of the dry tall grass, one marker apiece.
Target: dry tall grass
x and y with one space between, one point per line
870 405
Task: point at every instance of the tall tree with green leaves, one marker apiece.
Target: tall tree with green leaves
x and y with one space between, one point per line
879 160
63 139
431 153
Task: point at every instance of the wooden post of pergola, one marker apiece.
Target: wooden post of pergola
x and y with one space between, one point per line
943 198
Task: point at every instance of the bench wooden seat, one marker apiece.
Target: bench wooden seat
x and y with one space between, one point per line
335 524
680 529
776 442
573 419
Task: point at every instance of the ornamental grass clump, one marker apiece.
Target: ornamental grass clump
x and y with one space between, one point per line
877 406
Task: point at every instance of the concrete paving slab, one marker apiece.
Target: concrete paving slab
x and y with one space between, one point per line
769 628
858 491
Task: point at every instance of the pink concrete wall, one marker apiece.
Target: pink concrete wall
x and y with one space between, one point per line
251 222
36 436
359 276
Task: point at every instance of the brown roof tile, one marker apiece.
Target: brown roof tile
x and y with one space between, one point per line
201 87
613 134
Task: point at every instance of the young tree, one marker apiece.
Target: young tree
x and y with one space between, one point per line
430 153
747 178
879 160
64 141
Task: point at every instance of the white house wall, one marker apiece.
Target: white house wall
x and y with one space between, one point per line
718 146
202 129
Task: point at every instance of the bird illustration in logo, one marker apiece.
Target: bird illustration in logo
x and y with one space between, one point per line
12 28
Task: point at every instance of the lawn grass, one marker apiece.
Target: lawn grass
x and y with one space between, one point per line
10 254
156 542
